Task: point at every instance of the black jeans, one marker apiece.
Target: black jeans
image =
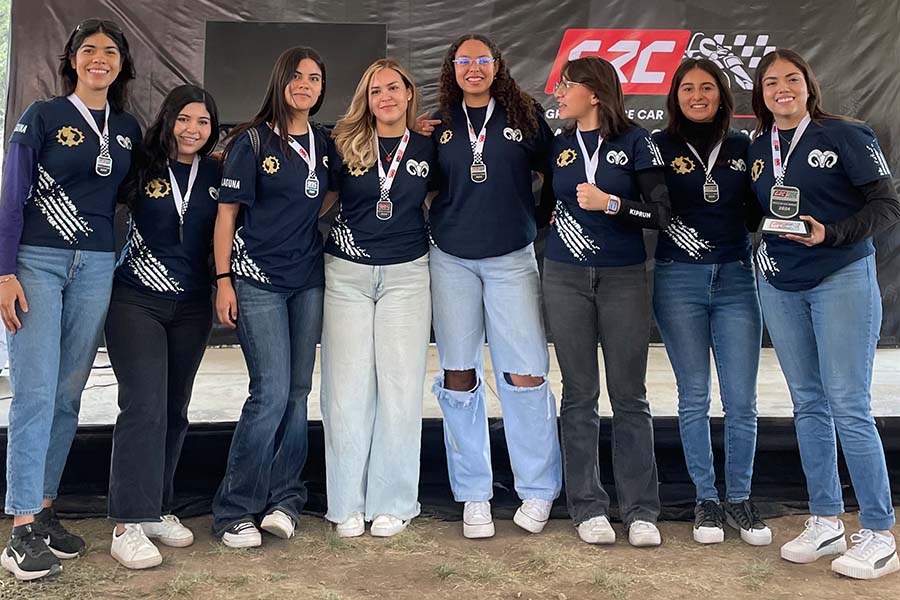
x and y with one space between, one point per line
155 347
612 305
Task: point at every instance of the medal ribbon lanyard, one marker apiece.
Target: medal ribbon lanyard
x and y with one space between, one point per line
592 161
710 163
477 142
385 181
104 161
312 181
182 202
778 167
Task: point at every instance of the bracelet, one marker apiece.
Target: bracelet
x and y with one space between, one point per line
229 274
10 278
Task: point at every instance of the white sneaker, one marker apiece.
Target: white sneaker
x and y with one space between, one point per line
387 525
871 556
133 549
169 531
353 526
242 534
533 514
477 520
819 538
279 524
643 533
596 530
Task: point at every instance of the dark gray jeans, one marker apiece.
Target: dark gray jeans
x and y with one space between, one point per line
611 305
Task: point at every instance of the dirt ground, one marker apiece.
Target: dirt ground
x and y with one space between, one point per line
432 560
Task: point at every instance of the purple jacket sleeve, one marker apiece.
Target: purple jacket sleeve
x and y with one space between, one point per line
17 178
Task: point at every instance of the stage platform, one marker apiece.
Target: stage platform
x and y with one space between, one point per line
221 388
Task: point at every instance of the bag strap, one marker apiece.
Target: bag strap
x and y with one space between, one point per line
254 140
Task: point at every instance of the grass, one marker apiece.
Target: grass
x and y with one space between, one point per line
756 573
183 585
444 571
613 583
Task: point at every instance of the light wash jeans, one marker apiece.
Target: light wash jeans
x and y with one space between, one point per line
825 339
278 332
375 331
50 360
499 296
712 306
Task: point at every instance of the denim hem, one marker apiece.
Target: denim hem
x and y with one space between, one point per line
736 500
545 497
124 520
647 518
25 512
218 532
883 524
715 499
405 516
473 497
833 510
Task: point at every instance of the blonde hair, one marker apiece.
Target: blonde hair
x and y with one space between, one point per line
354 132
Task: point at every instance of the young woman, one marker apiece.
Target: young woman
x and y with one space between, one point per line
484 279
66 157
266 239
821 302
377 319
609 184
704 294
159 319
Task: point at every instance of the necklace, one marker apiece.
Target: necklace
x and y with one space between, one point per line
388 155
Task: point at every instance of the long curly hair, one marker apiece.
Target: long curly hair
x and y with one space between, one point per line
765 118
354 132
159 145
117 95
520 107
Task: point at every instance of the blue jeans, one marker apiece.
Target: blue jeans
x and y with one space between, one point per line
825 339
50 360
278 334
374 348
699 307
499 296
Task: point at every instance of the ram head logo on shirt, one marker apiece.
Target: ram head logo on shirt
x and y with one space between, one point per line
757 169
822 159
513 135
69 136
615 157
157 188
270 165
738 165
683 165
446 136
417 169
566 158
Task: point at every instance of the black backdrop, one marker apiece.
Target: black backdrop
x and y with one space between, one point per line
852 45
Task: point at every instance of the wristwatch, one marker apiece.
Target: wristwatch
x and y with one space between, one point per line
614 204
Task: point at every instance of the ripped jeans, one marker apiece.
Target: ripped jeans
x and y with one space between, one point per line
499 296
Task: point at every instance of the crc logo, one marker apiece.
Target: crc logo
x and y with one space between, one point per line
645 59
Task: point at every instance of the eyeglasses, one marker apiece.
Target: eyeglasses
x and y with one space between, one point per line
94 24
563 83
465 61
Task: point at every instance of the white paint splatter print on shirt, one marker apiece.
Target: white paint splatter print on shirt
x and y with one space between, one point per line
572 234
878 156
767 265
242 264
146 267
688 239
60 211
343 237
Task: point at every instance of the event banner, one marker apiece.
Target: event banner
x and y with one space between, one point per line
852 46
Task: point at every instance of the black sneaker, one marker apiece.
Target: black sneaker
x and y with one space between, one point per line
744 516
709 523
27 557
61 543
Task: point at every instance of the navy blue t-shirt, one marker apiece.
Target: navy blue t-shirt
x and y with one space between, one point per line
277 246
832 160
70 206
358 234
592 237
496 217
154 259
700 231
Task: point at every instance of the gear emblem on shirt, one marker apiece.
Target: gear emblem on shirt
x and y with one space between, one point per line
683 165
270 165
358 170
446 136
566 158
69 136
757 169
157 188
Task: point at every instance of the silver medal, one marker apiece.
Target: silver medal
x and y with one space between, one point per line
784 201
103 165
312 186
478 172
384 209
711 192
